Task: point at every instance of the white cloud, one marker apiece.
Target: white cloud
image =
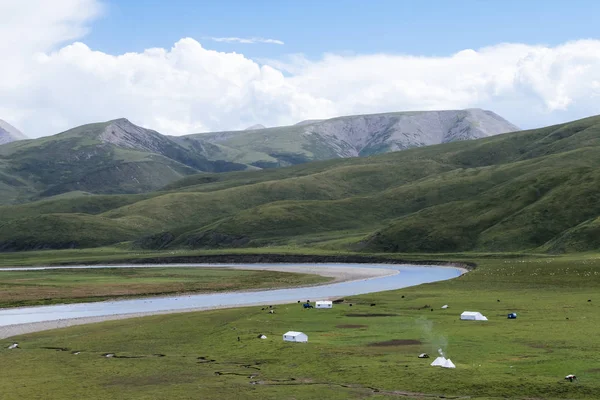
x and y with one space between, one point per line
46 86
251 40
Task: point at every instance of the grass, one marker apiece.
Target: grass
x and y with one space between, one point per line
346 356
44 287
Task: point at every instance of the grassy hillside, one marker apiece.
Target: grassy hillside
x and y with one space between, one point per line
106 158
529 190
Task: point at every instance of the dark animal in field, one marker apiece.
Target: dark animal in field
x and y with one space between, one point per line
373 304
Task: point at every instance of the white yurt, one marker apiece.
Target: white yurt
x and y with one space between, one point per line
472 316
323 304
293 336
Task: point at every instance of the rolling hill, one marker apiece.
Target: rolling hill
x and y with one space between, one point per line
111 157
118 157
533 190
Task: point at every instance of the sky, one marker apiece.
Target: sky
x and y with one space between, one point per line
185 66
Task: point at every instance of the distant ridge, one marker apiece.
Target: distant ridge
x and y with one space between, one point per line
255 127
307 122
354 136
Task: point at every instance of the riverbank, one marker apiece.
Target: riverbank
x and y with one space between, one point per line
339 273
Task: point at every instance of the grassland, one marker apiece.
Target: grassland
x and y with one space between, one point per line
42 287
356 352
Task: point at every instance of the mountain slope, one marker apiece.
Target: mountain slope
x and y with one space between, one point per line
354 136
9 133
112 157
532 190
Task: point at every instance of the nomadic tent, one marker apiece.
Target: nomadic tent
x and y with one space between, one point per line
324 304
261 336
293 336
438 362
443 362
512 315
472 316
445 306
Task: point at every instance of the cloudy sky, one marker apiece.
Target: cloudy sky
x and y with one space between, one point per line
184 66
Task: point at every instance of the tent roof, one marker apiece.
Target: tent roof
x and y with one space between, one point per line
448 364
293 333
471 313
438 362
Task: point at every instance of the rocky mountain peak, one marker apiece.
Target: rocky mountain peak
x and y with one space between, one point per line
121 132
9 133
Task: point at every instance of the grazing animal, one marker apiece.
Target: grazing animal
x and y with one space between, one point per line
373 304
271 311
13 346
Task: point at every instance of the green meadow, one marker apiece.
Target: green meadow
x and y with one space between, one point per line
365 351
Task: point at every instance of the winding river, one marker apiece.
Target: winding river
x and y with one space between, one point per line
395 277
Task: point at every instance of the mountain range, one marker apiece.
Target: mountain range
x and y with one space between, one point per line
119 157
534 190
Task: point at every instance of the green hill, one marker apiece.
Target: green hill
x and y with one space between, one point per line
530 190
118 157
111 157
